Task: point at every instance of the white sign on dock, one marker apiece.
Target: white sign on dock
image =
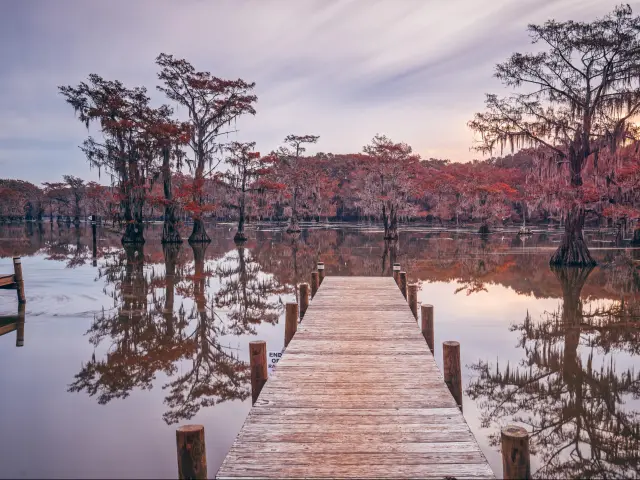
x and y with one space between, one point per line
273 358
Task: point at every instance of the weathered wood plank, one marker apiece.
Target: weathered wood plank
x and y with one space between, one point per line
357 394
7 280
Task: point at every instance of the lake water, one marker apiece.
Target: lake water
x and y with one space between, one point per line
122 346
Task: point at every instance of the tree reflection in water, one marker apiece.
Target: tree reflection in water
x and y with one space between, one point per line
148 333
575 409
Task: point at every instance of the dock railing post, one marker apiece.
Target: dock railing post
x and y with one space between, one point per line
403 284
426 312
396 273
452 370
315 281
258 361
291 322
17 273
304 299
516 463
320 273
412 298
192 453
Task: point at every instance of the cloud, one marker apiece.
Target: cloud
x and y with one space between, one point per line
345 70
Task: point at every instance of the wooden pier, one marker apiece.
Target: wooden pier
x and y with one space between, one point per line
357 394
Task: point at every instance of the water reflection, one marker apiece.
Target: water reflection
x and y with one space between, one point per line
176 318
566 391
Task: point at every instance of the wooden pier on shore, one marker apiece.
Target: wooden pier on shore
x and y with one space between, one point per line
357 394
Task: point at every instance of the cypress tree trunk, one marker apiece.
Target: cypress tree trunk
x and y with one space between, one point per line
170 233
573 249
198 234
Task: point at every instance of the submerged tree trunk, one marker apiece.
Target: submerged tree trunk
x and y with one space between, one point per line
170 233
573 249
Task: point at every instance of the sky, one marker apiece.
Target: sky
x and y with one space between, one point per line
415 70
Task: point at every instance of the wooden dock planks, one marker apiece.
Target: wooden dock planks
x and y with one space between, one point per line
357 394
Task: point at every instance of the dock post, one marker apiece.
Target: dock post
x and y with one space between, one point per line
17 272
258 361
192 453
304 299
291 322
515 453
412 298
452 371
94 235
426 312
315 281
396 273
403 283
20 326
320 273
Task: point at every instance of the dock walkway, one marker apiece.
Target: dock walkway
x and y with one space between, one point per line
357 394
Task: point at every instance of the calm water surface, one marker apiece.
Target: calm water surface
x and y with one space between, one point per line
122 345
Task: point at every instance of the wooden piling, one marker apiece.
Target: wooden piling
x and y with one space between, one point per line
426 312
315 281
452 370
403 284
258 361
192 453
291 322
304 298
20 325
94 236
396 273
17 272
412 298
516 463
320 273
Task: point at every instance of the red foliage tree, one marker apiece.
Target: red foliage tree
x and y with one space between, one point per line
578 98
212 103
387 177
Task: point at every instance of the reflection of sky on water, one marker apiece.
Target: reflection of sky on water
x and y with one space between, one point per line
48 430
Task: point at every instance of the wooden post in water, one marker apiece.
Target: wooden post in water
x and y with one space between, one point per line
290 323
315 282
403 284
192 453
258 361
17 272
412 298
452 370
396 273
93 233
304 299
20 326
516 463
426 312
320 273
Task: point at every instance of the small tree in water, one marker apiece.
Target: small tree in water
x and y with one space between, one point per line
247 167
388 176
212 103
294 174
577 98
